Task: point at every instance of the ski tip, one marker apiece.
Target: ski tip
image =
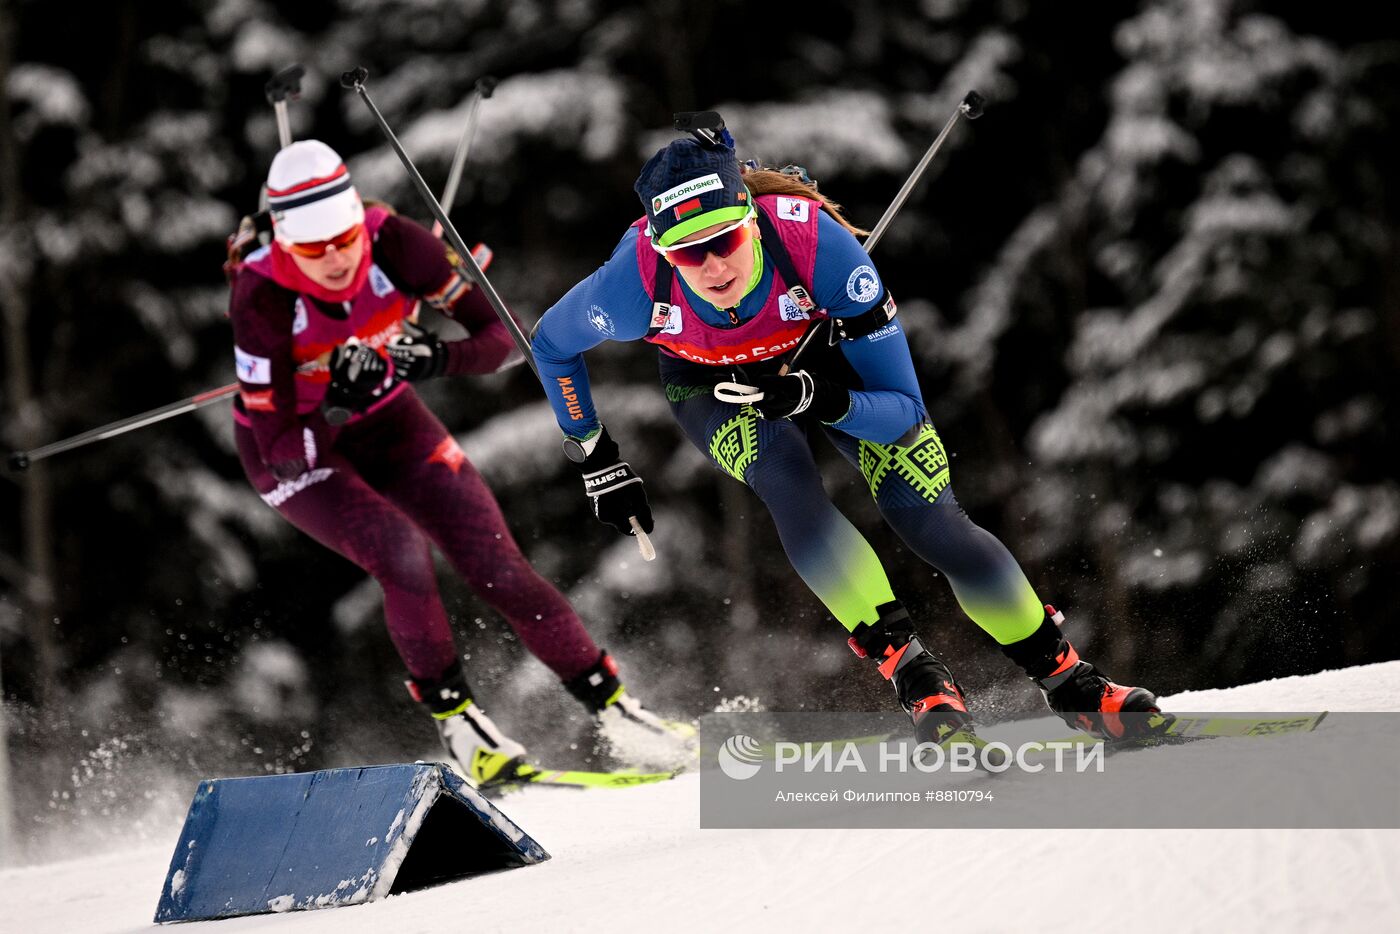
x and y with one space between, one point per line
19 461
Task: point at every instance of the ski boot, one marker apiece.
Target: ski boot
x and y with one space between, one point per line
921 680
1083 696
478 750
632 733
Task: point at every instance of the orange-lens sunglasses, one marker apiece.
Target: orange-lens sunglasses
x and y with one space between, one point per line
317 248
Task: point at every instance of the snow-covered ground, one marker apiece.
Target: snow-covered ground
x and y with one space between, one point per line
637 860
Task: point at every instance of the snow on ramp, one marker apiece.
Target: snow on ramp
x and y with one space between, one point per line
636 860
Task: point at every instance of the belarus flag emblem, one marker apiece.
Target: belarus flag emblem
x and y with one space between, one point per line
688 207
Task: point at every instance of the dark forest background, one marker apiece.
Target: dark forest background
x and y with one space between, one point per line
1153 294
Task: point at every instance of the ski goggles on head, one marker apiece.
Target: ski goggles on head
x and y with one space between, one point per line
317 248
722 243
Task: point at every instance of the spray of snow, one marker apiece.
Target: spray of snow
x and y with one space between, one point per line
740 703
639 746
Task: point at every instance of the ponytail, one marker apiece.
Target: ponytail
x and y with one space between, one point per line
773 182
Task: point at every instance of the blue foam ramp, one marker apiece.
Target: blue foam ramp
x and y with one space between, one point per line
335 837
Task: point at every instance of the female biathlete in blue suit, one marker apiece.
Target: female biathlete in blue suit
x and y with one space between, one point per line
725 272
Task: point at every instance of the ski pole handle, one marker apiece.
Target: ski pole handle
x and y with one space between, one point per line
643 541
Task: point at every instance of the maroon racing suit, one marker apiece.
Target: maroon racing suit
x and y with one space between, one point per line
391 481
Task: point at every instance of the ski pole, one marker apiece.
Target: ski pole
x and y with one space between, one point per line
281 86
970 107
354 80
485 87
286 83
20 460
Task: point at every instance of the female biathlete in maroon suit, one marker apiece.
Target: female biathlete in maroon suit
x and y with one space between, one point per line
319 323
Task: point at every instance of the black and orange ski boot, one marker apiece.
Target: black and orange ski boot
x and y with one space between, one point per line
1084 697
922 681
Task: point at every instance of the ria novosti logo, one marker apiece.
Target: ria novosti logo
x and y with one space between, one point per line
740 757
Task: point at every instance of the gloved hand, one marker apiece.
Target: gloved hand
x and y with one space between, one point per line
294 454
785 396
617 492
288 470
417 353
359 373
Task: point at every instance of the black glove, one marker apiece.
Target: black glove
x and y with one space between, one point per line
359 374
795 393
417 353
295 453
617 492
288 470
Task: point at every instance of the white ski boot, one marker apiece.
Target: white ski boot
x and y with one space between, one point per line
477 749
